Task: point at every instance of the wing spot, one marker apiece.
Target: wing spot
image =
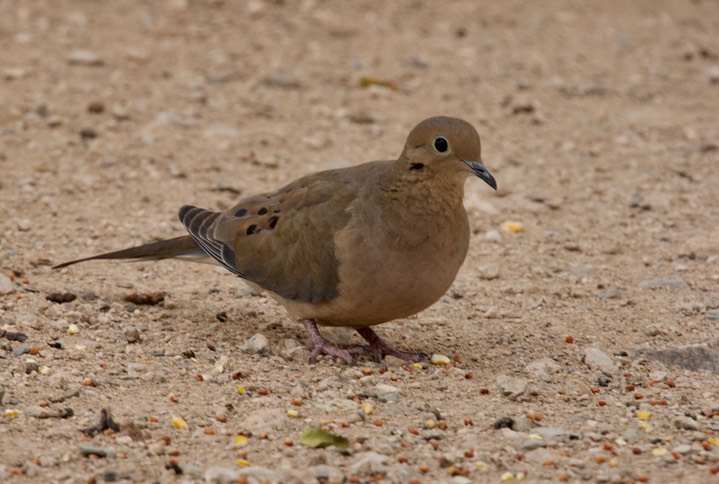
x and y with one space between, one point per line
241 212
273 221
252 229
262 211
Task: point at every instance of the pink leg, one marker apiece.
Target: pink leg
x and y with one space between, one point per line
323 347
379 349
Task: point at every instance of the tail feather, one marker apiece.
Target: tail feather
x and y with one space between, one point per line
179 247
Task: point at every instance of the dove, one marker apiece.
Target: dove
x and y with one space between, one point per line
354 247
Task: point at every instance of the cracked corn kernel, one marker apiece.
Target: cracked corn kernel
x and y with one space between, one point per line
293 413
643 415
73 329
513 226
440 360
12 412
179 423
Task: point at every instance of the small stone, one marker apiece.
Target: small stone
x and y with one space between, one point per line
511 386
598 360
686 423
257 345
489 273
532 444
387 392
550 432
31 366
711 315
82 57
132 335
541 455
14 73
328 474
368 463
683 449
21 350
281 81
37 411
493 235
222 475
692 357
6 284
542 368
88 448
610 293
669 282
265 420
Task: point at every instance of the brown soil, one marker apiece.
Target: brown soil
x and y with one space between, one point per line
600 121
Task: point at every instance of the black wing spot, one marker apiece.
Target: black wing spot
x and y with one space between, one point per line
262 211
273 221
252 229
241 212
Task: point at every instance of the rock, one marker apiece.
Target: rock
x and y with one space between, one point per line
711 315
683 449
21 350
37 411
273 476
532 444
222 475
459 480
368 463
541 456
511 386
6 285
265 420
328 474
669 282
88 448
82 57
493 235
31 366
550 432
387 392
686 423
595 359
257 345
691 357
132 335
542 368
610 293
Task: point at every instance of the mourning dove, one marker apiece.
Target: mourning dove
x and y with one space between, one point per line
352 247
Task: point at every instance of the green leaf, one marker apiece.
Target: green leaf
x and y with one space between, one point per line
318 438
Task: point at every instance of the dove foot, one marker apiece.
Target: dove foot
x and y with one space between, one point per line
323 347
378 349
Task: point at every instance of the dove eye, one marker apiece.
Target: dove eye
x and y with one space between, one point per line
441 145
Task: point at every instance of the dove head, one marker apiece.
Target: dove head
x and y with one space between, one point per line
444 147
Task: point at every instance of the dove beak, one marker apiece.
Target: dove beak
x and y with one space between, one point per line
482 172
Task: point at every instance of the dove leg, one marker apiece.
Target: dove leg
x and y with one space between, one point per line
379 349
323 347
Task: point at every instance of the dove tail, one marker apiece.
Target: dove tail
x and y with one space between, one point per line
179 247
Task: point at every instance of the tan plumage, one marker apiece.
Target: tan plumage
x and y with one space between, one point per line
353 247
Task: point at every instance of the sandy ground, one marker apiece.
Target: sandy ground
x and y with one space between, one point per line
569 337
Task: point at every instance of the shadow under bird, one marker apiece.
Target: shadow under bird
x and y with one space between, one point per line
352 247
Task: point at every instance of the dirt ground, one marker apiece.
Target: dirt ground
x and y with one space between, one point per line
600 121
